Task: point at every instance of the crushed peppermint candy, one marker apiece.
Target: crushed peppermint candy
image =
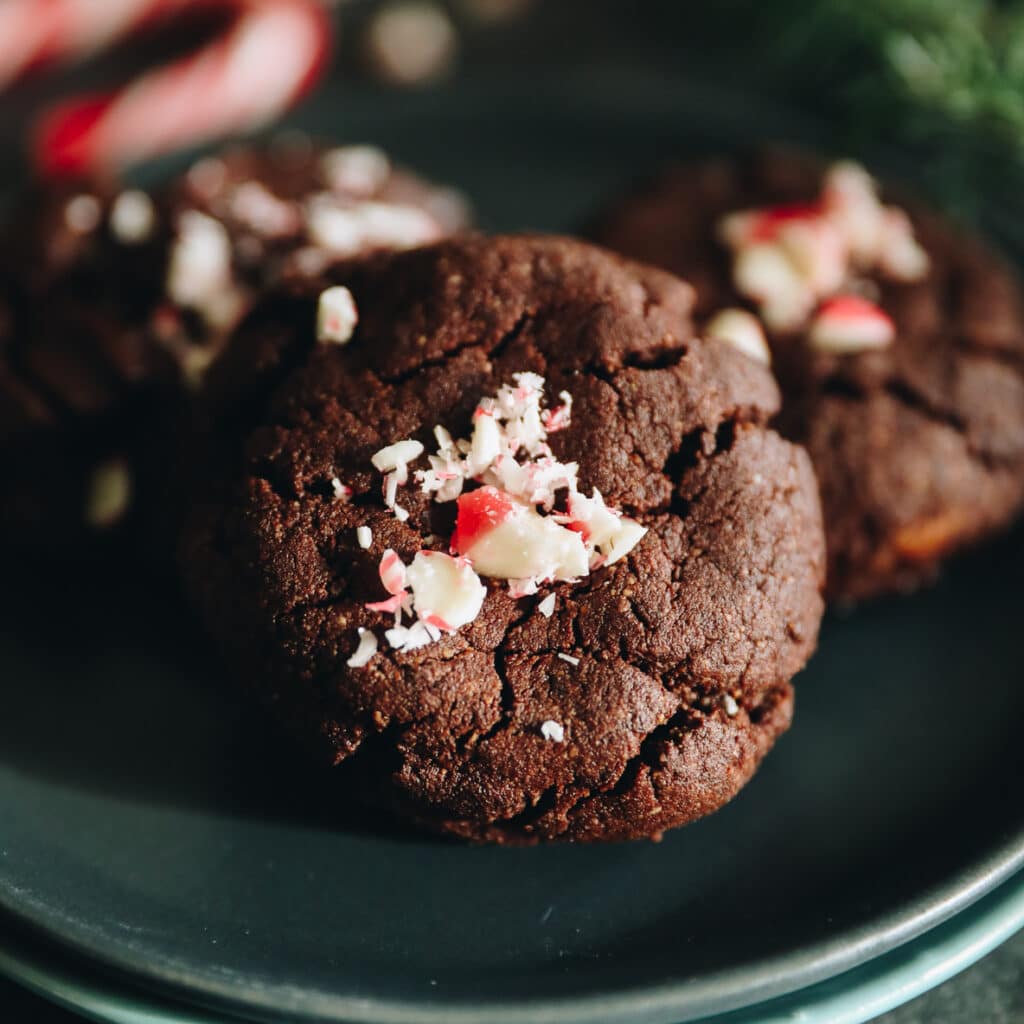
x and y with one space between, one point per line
446 592
569 658
524 520
364 537
132 217
254 206
848 324
508 540
553 731
358 170
742 331
393 461
732 709
788 258
340 491
336 316
83 213
199 268
365 651
347 228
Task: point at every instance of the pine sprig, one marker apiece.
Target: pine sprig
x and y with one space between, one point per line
941 78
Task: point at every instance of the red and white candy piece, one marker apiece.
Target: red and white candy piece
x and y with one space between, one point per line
446 592
606 532
849 324
741 330
507 540
787 258
336 316
269 55
745 227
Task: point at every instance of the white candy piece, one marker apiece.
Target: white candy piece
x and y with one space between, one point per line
132 217
763 271
486 443
612 534
110 494
256 207
553 731
401 453
735 229
409 638
83 213
365 651
851 199
411 41
206 177
357 170
547 606
528 545
396 225
199 269
625 538
742 331
787 312
333 227
446 592
732 709
346 228
342 492
569 658
849 324
364 537
817 250
336 316
901 255
393 573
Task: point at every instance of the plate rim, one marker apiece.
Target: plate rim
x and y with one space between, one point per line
853 997
675 1002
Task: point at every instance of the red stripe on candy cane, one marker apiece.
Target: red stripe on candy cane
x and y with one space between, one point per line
270 55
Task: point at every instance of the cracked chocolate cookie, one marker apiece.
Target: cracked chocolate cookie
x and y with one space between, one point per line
113 301
505 542
898 342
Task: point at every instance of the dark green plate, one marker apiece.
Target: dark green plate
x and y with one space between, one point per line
151 825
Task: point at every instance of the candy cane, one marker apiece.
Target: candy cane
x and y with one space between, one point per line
269 56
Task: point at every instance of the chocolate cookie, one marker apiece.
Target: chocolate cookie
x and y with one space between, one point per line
502 539
898 342
113 302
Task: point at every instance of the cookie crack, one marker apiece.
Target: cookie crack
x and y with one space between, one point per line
493 352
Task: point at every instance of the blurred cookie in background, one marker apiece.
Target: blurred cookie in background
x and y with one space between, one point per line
114 300
898 341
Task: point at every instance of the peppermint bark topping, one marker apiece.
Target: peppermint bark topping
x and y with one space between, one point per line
521 516
790 258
